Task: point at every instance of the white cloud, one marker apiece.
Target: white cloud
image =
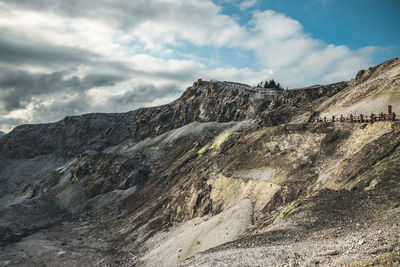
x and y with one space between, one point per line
296 58
198 22
247 4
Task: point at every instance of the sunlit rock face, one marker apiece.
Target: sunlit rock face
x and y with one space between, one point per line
226 175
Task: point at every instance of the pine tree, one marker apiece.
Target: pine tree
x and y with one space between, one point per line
272 84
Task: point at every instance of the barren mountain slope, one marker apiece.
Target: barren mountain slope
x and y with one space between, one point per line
226 175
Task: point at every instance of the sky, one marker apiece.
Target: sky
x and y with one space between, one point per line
69 57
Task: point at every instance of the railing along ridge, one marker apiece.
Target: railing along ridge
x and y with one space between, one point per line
363 118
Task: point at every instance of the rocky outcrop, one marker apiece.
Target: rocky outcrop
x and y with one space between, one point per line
101 173
374 72
308 94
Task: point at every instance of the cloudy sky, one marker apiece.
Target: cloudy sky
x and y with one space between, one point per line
66 57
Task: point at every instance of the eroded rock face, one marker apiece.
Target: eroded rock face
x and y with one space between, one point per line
101 173
100 189
374 72
311 93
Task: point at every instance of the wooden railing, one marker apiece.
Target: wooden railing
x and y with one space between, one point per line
362 118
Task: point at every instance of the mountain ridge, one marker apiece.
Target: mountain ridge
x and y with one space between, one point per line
107 129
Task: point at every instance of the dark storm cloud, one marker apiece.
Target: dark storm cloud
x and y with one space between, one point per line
76 104
17 87
100 79
18 53
144 94
16 50
178 75
118 9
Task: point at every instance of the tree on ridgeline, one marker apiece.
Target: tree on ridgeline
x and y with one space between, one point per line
271 84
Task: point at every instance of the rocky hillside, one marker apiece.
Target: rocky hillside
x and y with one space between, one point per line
226 175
